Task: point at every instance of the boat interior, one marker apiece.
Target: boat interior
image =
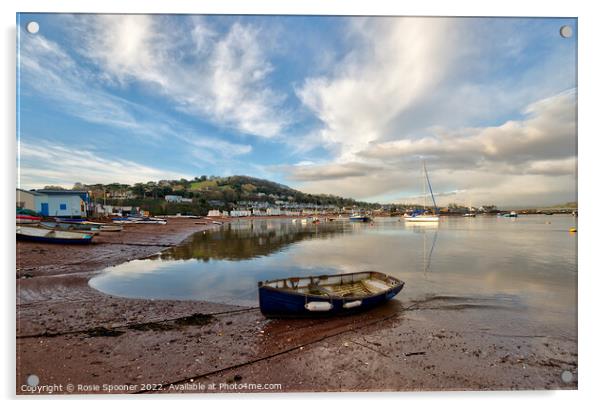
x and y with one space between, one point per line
347 285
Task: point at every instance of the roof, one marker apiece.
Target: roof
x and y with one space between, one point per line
28 191
84 195
61 192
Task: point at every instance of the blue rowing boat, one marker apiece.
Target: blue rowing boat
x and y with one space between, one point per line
326 295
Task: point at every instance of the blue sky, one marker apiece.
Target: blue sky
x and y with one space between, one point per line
340 105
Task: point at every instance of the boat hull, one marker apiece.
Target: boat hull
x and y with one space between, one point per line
359 219
52 237
419 218
83 241
28 219
274 302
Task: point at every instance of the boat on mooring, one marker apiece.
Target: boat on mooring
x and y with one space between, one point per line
326 295
359 218
52 236
423 215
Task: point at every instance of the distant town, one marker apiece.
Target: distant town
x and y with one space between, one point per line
235 196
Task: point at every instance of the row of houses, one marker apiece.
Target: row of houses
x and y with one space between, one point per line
177 199
272 211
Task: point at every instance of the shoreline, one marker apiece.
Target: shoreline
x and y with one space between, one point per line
70 333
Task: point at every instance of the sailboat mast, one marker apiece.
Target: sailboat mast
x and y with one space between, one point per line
430 189
423 186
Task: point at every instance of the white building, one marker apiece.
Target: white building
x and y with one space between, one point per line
215 213
273 211
240 213
66 203
173 198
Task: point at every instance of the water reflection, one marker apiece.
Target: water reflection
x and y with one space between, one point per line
247 240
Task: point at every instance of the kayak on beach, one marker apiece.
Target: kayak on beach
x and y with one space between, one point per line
327 294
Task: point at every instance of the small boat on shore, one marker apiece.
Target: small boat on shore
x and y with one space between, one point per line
470 214
52 236
327 294
65 226
111 228
28 219
511 214
139 220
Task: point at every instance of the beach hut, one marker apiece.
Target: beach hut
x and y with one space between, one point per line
62 203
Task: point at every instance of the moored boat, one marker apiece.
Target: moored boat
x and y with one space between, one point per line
423 215
327 294
52 236
359 218
421 218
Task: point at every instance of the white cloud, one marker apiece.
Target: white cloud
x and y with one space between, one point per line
48 163
394 64
51 73
221 78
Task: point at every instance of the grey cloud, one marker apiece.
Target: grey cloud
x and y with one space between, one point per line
328 171
547 133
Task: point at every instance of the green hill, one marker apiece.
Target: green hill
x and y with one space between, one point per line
211 192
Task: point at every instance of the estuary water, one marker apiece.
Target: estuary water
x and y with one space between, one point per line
527 263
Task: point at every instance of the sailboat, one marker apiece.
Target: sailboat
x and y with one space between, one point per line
470 213
423 216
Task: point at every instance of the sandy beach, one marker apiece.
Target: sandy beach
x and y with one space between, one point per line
71 335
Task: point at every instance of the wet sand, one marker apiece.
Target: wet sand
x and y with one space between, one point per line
70 334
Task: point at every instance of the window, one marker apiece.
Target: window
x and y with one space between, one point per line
63 206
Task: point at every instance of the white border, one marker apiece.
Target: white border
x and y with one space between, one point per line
589 186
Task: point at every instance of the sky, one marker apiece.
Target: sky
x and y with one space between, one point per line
350 106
